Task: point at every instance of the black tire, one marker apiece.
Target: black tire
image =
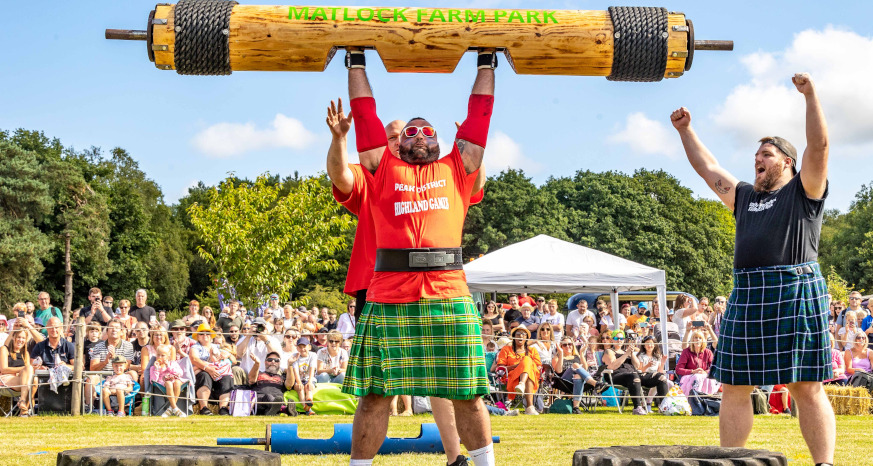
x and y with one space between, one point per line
168 455
676 455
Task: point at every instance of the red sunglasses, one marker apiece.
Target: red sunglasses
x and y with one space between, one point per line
411 131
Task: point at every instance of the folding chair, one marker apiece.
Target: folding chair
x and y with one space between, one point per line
128 399
159 402
10 396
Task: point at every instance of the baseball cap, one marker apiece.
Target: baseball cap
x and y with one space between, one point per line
178 323
785 147
38 321
302 341
642 305
274 296
118 359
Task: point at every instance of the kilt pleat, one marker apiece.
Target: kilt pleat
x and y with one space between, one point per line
775 328
425 348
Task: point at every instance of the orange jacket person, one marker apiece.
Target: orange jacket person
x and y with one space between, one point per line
524 367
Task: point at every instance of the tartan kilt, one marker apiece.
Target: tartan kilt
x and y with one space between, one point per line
431 347
775 328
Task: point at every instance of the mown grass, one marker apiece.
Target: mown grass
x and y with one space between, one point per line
524 440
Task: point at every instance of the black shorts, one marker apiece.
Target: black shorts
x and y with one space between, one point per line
216 387
360 300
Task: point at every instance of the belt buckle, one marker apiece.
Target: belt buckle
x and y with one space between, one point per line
803 269
430 259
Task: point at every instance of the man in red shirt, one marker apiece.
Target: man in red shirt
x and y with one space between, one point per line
363 258
419 331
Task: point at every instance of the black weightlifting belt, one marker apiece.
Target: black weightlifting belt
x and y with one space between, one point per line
418 259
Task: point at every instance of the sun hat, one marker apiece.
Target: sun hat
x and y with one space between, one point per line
204 328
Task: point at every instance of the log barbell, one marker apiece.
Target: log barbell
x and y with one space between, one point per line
216 37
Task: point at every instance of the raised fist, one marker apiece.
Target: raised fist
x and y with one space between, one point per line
681 118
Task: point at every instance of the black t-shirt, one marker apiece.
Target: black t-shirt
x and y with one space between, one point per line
776 228
86 311
137 352
89 345
510 316
270 380
143 314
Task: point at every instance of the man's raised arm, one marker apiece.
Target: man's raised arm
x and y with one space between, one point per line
473 133
704 163
337 160
814 168
370 136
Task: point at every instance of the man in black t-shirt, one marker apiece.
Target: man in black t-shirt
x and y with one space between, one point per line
96 311
775 328
270 383
142 312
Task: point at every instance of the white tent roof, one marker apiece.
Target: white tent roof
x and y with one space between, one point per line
548 265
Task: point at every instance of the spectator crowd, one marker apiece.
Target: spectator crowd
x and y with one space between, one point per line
206 364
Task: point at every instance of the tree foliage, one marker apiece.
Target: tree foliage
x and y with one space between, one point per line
261 242
847 241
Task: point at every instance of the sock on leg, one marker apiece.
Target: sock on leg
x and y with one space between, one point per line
483 456
361 462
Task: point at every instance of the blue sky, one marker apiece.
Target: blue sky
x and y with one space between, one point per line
60 75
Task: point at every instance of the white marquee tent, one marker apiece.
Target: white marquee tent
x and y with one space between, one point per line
548 265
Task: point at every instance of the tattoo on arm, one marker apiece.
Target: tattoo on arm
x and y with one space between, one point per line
721 188
461 145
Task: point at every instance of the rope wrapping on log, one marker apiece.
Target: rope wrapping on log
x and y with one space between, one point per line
640 38
202 32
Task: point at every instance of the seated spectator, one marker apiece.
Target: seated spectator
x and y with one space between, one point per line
52 349
288 349
114 345
554 318
652 366
320 339
167 373
622 361
127 321
606 323
523 365
331 320
592 328
193 313
694 364
257 342
545 345
703 327
46 311
304 374
25 322
346 322
589 353
159 338
119 385
332 360
839 364
571 373
780 400
859 357
639 315
492 316
270 382
310 326
137 363
179 339
347 344
16 371
212 372
4 326
846 335
527 319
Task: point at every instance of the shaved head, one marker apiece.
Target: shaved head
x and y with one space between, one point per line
392 131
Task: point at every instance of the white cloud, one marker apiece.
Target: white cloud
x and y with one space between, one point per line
647 137
502 153
229 139
768 104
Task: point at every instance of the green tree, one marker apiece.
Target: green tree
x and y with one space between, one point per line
847 242
513 210
24 201
261 242
838 287
325 297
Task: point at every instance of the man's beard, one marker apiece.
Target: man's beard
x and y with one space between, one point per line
420 155
771 177
272 370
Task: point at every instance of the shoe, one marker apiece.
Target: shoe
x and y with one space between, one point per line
180 413
640 411
205 411
310 412
461 460
166 413
223 411
576 410
786 411
512 412
108 412
532 411
519 389
121 413
600 387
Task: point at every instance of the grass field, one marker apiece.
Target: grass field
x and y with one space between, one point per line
524 440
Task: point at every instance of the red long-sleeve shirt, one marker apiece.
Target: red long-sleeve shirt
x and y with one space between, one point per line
688 361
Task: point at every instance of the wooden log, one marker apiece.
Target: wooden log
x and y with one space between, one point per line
424 40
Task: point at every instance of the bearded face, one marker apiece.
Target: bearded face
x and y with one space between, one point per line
770 164
418 149
766 177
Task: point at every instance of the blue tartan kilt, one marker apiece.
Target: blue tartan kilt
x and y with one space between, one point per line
775 328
